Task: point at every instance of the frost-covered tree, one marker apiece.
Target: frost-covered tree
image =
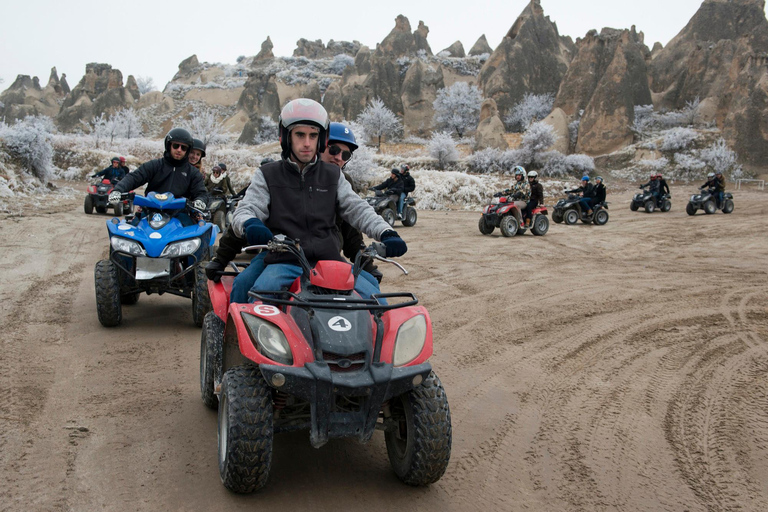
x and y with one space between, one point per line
340 63
30 141
677 139
538 137
457 108
442 147
267 131
378 121
205 126
720 158
532 108
128 123
146 84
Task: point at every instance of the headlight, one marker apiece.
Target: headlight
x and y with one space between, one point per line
124 245
410 340
269 338
183 248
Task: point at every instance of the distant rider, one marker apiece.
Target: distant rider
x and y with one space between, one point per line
663 187
536 197
218 179
113 173
600 191
587 191
392 186
653 187
719 186
409 185
124 167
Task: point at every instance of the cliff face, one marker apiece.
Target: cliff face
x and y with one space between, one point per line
100 91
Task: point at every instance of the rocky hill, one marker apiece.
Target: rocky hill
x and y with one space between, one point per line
718 61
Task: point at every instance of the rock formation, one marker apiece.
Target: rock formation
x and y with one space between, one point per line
531 58
481 47
559 123
722 56
25 97
455 50
99 91
419 92
265 53
490 129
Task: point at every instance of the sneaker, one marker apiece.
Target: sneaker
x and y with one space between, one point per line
527 223
589 212
399 216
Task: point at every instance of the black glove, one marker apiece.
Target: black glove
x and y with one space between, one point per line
256 233
212 269
394 244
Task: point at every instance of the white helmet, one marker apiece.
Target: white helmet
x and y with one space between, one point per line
711 175
533 174
519 171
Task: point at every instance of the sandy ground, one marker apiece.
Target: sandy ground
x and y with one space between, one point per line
622 367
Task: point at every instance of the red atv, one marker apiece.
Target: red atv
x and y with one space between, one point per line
98 197
504 213
320 357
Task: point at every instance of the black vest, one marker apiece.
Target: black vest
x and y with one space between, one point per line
304 207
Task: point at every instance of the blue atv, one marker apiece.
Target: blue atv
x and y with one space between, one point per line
154 253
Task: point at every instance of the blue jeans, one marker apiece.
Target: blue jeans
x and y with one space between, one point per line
586 204
280 276
719 196
400 203
245 279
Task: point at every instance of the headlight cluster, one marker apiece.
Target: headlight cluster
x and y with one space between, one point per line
269 339
410 340
120 244
183 248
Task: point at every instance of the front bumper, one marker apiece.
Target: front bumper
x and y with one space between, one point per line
318 385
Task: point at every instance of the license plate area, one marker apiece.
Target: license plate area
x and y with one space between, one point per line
152 268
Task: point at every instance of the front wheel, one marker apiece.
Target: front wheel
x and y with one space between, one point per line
571 217
557 216
211 341
690 209
649 207
108 305
709 207
245 430
728 206
409 216
540 225
666 205
118 209
485 227
88 205
419 447
633 206
389 216
601 217
201 301
509 225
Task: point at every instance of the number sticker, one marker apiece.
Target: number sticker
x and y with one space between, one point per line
339 323
265 310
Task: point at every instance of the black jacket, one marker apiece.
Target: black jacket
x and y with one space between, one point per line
587 191
599 193
165 174
537 192
391 186
663 187
409 185
654 184
113 174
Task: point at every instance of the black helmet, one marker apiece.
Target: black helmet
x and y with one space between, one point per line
116 159
198 144
303 111
179 135
223 167
266 161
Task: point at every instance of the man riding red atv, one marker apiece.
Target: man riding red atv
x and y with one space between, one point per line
506 212
320 357
98 192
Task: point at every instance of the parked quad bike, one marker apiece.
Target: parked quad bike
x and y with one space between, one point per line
319 357
707 201
645 199
155 254
98 199
569 210
386 206
504 214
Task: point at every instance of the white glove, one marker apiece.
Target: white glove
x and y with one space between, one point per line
115 197
199 204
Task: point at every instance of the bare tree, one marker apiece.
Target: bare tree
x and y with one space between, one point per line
146 84
205 126
457 108
378 121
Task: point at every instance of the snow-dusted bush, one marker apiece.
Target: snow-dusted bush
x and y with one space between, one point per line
677 139
538 137
457 108
720 158
557 165
378 121
657 165
532 108
29 141
689 167
146 84
340 63
267 131
361 167
647 121
443 148
206 127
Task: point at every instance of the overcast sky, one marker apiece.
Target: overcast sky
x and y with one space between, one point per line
151 37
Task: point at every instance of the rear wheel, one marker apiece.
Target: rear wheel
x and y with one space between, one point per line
633 206
389 216
201 301
601 217
666 205
485 227
728 206
509 225
88 205
245 430
211 341
690 209
649 207
108 305
709 207
118 209
557 216
540 225
409 216
220 220
419 448
571 217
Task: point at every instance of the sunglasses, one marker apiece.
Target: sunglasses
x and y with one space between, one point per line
176 145
334 150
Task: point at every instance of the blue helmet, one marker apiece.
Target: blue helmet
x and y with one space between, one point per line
585 178
338 132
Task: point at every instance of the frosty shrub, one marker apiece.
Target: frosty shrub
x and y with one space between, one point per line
443 149
677 139
538 137
720 158
556 165
573 132
457 108
267 131
30 141
658 165
146 84
123 124
532 108
485 161
361 167
689 167
205 126
377 121
340 63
